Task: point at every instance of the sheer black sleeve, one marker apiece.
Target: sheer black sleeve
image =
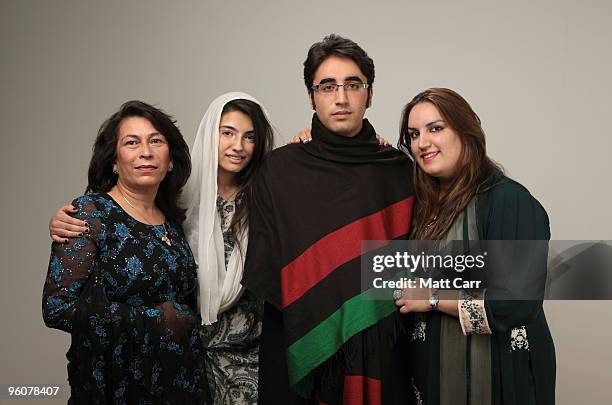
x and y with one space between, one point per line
70 267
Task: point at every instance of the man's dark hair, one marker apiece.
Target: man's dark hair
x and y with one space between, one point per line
101 176
335 45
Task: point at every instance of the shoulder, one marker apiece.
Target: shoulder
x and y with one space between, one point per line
402 158
279 160
509 211
283 154
505 190
93 205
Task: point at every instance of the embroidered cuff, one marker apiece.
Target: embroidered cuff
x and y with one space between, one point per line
472 314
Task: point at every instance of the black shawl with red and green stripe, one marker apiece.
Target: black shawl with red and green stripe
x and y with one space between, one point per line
313 204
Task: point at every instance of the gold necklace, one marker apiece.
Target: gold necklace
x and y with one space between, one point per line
164 238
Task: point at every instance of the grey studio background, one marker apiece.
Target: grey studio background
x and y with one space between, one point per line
537 73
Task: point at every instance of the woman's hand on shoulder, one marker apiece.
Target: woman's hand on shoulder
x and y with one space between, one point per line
62 225
382 141
303 136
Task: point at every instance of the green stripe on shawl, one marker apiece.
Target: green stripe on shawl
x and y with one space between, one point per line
323 341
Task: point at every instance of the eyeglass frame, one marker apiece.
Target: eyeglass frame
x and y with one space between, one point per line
316 87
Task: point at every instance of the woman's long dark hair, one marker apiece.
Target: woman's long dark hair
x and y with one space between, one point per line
101 178
435 213
264 139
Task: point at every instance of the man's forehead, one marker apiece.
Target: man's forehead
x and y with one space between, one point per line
338 69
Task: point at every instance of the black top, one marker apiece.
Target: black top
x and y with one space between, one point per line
128 300
522 367
313 205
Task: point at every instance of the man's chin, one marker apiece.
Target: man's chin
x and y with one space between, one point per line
347 131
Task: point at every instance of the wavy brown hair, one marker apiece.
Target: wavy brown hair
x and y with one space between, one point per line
436 210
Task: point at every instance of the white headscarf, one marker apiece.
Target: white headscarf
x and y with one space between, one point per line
219 287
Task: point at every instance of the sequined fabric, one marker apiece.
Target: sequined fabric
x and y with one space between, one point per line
128 300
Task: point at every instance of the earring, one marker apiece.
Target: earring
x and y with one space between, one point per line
170 167
115 170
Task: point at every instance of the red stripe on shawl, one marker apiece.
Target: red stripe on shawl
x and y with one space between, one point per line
360 390
341 246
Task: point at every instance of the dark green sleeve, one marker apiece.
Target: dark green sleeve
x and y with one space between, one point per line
510 212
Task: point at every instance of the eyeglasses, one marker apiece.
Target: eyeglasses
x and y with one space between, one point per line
329 88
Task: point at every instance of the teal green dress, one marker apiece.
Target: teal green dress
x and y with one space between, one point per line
497 352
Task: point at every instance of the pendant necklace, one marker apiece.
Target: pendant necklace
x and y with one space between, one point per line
165 238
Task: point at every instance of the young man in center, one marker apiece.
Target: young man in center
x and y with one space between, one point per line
323 339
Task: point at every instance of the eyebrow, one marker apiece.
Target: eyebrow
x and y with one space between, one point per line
234 129
138 136
327 80
347 79
353 79
428 125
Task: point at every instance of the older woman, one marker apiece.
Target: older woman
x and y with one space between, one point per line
233 137
125 289
475 349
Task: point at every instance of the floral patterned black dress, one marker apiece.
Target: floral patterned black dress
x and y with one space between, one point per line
127 298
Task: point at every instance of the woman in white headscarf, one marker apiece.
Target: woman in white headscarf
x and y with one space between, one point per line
232 140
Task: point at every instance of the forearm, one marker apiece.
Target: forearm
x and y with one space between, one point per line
167 320
449 307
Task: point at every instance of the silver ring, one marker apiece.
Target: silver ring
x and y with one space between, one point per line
397 294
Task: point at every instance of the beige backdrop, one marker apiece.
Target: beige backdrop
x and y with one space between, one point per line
537 73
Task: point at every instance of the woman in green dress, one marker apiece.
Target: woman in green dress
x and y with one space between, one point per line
470 348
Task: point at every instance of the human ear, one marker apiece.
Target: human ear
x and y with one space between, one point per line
310 95
370 95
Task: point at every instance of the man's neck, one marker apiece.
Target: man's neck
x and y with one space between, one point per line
351 134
